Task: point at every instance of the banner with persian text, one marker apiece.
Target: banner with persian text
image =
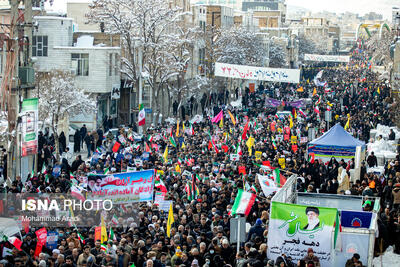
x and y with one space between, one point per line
326 58
127 187
257 73
293 229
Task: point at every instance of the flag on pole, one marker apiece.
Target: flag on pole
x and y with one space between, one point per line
159 184
16 242
165 155
77 192
217 118
314 92
172 140
170 220
112 235
103 237
243 202
232 118
347 126
221 123
302 113
279 179
116 147
177 128
212 142
245 129
141 115
114 219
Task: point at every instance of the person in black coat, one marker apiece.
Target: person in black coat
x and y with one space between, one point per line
76 163
256 230
77 141
83 133
62 142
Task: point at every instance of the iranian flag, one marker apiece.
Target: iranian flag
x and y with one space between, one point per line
77 192
159 184
172 140
150 138
80 237
103 247
141 115
16 242
112 235
213 143
114 220
279 179
238 150
243 202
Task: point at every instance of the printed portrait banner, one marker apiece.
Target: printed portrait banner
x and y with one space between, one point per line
121 188
257 73
293 229
29 126
326 58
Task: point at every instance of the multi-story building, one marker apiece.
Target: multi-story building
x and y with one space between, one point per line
96 67
265 5
76 9
395 14
234 4
320 28
219 16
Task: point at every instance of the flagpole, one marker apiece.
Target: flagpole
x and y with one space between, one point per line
238 236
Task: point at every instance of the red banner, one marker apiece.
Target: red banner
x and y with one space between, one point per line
41 236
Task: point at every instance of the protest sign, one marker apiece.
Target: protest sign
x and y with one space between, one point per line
122 188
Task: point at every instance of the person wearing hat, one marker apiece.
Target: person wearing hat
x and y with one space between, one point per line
313 220
310 257
351 262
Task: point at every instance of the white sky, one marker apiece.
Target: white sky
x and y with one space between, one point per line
383 7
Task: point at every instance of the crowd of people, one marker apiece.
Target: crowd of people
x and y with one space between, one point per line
200 234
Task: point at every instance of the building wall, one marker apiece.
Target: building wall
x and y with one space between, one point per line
77 11
268 19
220 16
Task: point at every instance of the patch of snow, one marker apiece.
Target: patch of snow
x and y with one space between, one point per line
237 103
85 41
389 258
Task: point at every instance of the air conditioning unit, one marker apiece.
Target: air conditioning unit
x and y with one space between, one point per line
26 75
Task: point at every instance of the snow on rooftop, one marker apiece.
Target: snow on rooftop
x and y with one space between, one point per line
85 41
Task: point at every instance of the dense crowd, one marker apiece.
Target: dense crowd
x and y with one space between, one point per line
200 235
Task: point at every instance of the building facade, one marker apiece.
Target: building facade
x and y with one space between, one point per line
96 67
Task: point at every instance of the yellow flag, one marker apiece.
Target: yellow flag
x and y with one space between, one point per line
221 123
170 220
177 128
379 91
165 155
295 114
183 145
290 123
103 231
329 104
232 118
178 168
314 92
250 143
347 126
308 80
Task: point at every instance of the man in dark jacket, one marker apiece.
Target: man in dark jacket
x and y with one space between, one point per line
83 133
89 141
256 230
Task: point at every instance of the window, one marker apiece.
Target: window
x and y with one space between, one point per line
39 46
80 63
110 64
116 66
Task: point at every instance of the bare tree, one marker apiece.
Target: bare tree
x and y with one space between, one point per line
60 97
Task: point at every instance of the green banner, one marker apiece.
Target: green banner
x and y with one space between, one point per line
294 229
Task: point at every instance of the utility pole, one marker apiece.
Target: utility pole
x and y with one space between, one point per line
11 82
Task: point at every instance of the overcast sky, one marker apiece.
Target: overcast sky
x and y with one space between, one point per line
383 7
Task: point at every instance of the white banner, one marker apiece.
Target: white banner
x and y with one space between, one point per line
257 73
326 58
268 185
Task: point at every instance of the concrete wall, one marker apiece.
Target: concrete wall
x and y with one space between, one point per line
77 11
